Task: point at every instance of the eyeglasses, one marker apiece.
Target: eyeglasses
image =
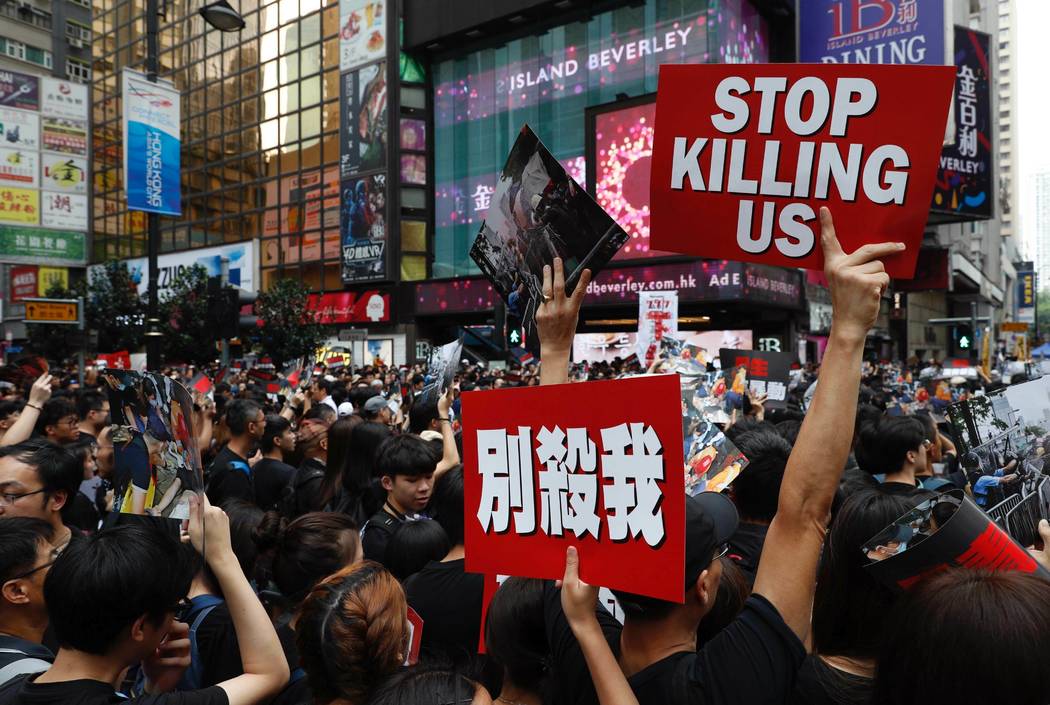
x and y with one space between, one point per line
26 574
69 421
9 499
722 551
926 443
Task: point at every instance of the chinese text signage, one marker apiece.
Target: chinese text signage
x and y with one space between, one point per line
871 31
541 475
745 156
964 177
151 145
767 372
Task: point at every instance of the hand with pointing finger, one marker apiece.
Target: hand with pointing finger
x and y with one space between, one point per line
857 281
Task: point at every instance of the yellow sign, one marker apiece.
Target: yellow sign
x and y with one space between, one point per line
1008 327
19 205
48 277
51 311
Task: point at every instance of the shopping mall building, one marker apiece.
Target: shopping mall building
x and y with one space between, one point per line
355 146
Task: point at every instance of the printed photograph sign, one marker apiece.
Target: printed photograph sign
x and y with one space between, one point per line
362 223
363 125
19 167
362 32
19 129
60 172
19 90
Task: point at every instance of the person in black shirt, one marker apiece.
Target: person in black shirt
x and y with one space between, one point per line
406 467
38 479
304 493
446 597
26 555
134 576
272 474
230 474
93 410
755 492
895 446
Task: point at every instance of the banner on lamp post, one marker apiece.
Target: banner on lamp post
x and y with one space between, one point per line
151 145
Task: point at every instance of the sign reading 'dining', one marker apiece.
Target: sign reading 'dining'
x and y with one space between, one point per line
745 156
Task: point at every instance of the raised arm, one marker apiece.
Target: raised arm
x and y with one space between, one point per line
264 663
556 319
22 429
788 566
450 456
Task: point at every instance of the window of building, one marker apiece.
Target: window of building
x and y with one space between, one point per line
78 32
25 13
79 71
16 50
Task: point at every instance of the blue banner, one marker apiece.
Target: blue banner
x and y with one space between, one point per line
152 146
1026 296
871 31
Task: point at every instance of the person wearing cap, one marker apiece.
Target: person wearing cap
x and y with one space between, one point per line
345 410
755 659
379 410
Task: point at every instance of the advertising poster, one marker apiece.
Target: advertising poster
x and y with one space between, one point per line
540 475
350 307
21 244
363 124
19 205
64 136
60 172
19 129
362 32
765 373
64 99
18 90
657 319
152 142
362 224
964 177
738 176
50 277
1026 296
239 261
23 283
538 213
882 32
19 167
156 463
63 211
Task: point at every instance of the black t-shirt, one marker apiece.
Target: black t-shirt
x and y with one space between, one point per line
449 602
229 477
22 691
745 548
270 477
81 513
376 535
899 488
308 481
820 684
220 652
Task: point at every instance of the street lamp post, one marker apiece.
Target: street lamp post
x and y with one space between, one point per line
220 15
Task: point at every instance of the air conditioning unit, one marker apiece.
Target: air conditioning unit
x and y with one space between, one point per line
77 43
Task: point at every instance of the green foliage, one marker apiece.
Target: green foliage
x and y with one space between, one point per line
184 319
115 309
288 329
57 342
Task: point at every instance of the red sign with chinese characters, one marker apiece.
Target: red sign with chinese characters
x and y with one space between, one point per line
351 307
23 282
744 156
602 473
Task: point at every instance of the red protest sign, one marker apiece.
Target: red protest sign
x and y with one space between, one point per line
603 472
744 156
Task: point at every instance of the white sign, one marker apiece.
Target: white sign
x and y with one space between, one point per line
62 172
657 317
362 32
19 128
240 266
63 99
19 167
63 211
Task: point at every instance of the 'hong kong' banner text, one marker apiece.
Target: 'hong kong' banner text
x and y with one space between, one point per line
603 471
745 156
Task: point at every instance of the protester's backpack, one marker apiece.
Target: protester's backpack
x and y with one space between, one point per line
289 503
200 607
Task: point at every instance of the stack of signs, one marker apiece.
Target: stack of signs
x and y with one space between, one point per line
657 320
541 474
538 212
156 462
744 156
759 373
947 531
441 370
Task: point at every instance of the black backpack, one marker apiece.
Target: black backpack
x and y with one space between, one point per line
288 504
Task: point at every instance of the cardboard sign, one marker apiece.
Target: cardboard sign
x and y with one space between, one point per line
441 370
764 373
745 155
657 318
548 467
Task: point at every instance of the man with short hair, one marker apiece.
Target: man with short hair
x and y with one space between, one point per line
58 421
38 479
230 475
406 466
135 577
304 491
321 391
26 554
93 411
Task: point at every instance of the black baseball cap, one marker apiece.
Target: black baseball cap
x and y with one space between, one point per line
710 520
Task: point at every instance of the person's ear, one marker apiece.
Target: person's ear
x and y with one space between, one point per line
138 629
57 500
14 591
324 444
387 482
704 592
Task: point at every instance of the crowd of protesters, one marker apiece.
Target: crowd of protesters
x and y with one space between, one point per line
332 509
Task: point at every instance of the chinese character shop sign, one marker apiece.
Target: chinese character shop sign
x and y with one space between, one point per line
964 177
598 473
745 156
871 31
151 145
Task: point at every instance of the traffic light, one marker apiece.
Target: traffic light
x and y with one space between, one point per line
515 332
963 337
